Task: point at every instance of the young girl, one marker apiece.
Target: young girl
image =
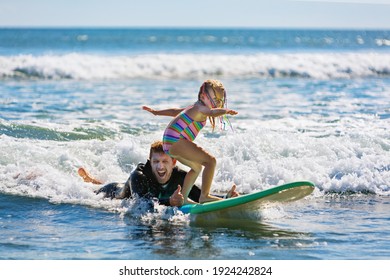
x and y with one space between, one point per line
179 136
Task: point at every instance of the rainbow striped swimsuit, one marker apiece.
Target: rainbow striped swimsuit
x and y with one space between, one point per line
182 127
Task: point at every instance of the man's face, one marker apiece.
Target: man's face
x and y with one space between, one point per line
162 167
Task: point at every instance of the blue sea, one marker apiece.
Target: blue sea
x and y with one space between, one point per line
313 105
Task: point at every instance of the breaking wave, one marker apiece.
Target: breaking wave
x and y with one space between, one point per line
167 66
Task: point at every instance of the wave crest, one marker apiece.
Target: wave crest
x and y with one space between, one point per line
157 66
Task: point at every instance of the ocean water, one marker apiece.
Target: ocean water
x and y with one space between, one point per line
313 105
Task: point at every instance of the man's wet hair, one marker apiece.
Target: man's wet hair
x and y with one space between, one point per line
156 147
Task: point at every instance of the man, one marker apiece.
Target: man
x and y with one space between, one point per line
157 178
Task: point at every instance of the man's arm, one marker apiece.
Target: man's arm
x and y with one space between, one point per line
139 184
143 186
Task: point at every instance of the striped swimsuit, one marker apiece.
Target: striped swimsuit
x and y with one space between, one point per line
182 127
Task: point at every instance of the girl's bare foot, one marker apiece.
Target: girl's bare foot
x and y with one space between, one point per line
189 201
208 198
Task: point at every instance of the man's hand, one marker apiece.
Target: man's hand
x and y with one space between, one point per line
232 192
176 198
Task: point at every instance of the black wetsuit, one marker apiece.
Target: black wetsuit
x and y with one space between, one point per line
143 184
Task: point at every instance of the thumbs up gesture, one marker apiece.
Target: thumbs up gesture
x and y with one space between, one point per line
176 198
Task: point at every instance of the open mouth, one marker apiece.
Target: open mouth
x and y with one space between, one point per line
161 173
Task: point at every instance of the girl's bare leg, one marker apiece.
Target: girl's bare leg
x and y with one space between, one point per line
189 181
195 157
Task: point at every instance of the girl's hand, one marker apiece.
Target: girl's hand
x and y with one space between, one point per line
146 108
231 112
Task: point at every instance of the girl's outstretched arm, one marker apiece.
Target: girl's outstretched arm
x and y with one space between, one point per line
217 112
171 112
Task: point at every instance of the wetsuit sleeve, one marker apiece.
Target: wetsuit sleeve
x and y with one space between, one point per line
110 190
139 184
142 184
164 201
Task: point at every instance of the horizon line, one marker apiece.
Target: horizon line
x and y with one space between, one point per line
190 27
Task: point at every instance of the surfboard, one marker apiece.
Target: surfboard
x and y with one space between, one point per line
283 193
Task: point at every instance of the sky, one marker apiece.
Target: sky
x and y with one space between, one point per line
351 14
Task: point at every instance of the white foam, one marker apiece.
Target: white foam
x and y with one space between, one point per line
257 156
48 169
265 65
